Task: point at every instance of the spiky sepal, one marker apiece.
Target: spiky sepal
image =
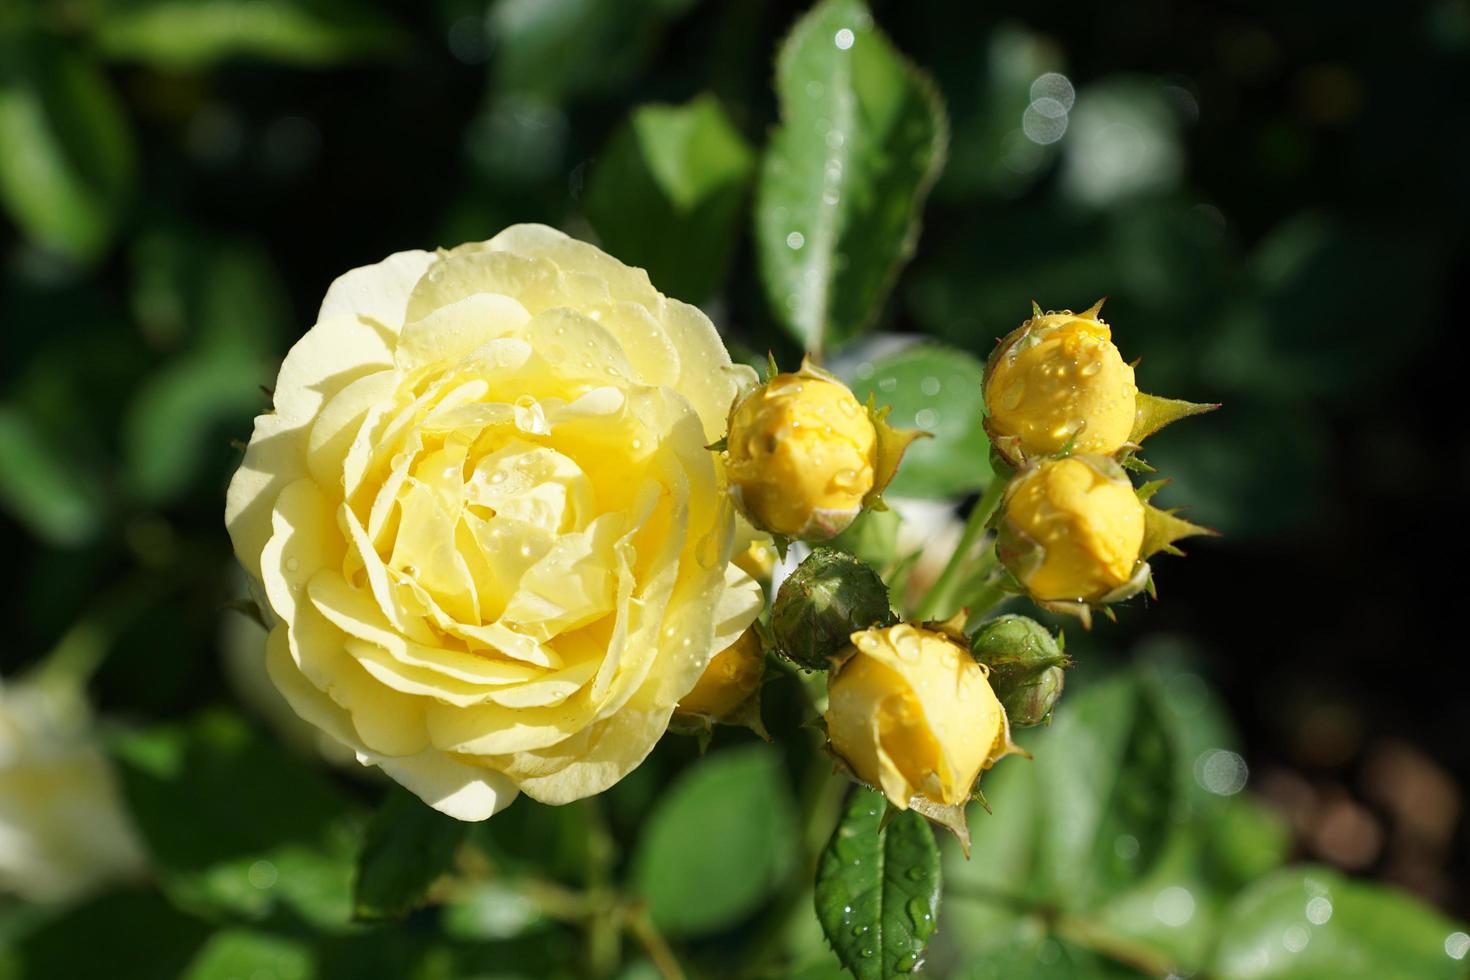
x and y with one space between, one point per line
1152 413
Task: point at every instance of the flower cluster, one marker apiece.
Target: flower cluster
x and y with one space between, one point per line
511 515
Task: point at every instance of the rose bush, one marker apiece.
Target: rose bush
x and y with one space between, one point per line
493 548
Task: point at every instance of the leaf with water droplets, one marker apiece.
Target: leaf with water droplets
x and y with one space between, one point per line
1309 922
878 890
862 139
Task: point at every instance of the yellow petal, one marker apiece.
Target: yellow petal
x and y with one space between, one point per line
377 292
452 332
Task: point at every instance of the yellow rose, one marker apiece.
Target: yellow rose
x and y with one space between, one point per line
801 454
63 830
729 680
1072 529
911 712
484 522
1058 377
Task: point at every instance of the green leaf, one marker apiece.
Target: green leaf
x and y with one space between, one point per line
862 139
40 488
1109 792
718 842
232 954
183 35
666 193
878 889
68 171
232 825
939 390
1314 924
1028 953
409 845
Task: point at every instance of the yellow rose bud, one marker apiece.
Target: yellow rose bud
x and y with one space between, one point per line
912 713
483 521
1072 529
1059 378
729 680
801 455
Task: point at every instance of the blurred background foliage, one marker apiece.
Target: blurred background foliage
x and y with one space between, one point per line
1270 195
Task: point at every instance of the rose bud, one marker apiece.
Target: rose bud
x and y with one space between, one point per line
1072 530
804 456
728 682
1026 665
910 712
1055 380
829 596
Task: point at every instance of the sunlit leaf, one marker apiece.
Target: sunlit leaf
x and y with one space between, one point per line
862 139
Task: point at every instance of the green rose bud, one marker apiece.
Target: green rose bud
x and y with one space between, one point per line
1026 664
829 597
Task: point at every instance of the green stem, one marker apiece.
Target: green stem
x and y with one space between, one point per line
937 597
1076 930
604 927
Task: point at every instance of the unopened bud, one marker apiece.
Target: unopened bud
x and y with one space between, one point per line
1026 666
730 679
829 596
801 455
1055 380
1072 530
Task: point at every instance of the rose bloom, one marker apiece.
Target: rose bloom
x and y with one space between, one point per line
484 521
63 829
912 714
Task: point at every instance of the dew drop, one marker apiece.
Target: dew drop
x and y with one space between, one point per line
843 39
795 240
293 565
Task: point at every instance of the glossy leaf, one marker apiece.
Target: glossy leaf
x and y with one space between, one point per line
718 842
232 825
938 390
409 846
666 194
878 889
189 34
862 139
1315 924
67 172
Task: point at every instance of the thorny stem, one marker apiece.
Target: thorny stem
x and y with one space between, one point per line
940 594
